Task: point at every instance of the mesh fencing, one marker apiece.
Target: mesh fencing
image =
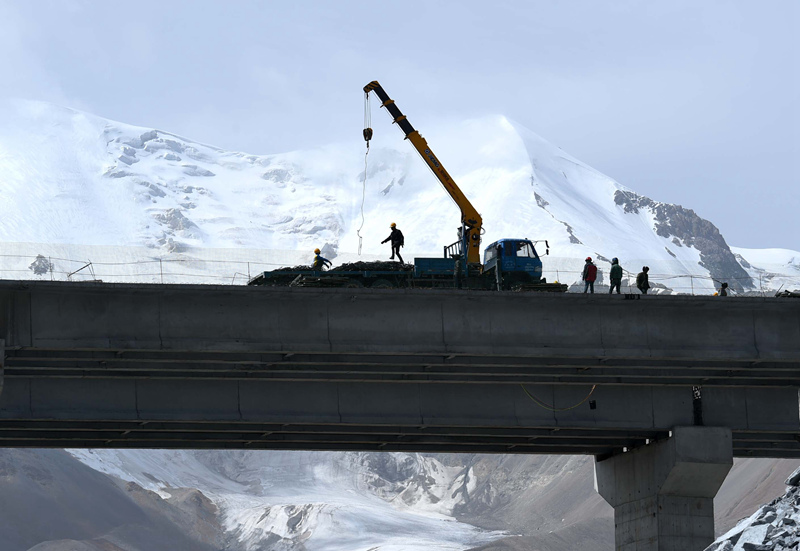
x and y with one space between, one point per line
111 264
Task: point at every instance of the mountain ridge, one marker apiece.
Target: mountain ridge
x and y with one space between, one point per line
72 177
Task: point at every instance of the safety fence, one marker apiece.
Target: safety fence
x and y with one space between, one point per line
672 283
238 266
157 270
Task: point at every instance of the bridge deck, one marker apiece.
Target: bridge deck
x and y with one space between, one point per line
98 365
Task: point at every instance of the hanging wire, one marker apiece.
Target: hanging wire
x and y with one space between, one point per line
363 198
367 138
551 408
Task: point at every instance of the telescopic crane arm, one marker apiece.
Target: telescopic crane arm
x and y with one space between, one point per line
471 221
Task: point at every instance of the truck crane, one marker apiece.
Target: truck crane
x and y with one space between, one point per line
468 245
508 263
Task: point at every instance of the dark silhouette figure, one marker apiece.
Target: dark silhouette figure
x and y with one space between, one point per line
616 275
397 239
642 281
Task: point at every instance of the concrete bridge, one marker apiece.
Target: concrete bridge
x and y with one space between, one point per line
663 391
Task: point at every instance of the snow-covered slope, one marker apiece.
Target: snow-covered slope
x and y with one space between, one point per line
777 269
143 204
313 501
73 178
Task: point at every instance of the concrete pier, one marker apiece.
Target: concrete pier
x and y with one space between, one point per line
663 493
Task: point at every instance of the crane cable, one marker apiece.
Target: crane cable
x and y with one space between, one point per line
367 138
550 408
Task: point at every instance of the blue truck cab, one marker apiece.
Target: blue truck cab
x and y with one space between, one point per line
517 258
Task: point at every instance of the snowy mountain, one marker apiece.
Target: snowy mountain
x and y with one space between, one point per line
76 186
150 500
68 177
304 500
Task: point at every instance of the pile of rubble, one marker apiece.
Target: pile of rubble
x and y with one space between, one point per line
301 268
774 527
378 266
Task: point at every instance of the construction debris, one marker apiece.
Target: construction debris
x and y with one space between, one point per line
377 266
791 294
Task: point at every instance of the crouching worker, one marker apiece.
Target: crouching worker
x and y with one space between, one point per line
643 280
320 263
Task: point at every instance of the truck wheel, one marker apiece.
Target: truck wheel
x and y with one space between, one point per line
354 284
382 284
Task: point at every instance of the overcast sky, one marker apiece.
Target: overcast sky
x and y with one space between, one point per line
687 102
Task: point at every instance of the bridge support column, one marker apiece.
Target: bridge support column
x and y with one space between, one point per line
663 493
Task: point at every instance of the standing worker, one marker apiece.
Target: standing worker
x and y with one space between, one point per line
589 274
396 237
642 280
616 275
320 262
723 290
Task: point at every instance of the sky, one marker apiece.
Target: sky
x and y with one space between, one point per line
687 102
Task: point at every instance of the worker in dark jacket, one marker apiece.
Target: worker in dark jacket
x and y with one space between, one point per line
320 263
723 290
589 274
396 237
616 275
642 281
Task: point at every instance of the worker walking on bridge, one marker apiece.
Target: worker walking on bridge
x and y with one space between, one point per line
616 275
589 274
396 237
320 262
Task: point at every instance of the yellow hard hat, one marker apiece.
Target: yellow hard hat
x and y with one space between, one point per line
716 294
316 251
392 225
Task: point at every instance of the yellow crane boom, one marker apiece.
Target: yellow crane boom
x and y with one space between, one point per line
471 221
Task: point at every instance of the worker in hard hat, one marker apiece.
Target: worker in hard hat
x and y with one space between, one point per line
589 275
615 276
320 262
396 237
